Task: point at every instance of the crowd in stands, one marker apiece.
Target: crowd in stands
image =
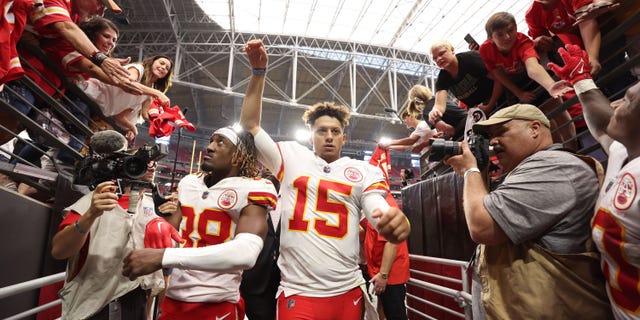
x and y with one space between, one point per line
301 225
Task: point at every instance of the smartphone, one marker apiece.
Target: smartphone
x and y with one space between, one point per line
470 40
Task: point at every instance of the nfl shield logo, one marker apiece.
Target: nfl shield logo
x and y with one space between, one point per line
291 303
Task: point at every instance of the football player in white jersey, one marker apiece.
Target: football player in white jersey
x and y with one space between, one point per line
616 224
224 222
322 197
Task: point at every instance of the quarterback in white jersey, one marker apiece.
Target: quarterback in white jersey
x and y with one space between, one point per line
320 204
223 225
321 199
616 224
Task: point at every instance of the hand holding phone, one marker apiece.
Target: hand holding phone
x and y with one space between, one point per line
473 44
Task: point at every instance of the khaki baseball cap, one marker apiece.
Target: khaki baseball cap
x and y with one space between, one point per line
517 111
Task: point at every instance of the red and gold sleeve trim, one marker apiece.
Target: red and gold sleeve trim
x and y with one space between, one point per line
266 199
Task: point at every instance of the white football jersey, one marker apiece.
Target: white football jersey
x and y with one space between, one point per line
320 205
616 232
209 217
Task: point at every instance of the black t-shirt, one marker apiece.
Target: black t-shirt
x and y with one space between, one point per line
471 85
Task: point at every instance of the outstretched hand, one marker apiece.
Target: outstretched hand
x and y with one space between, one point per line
257 54
576 64
393 225
559 88
113 67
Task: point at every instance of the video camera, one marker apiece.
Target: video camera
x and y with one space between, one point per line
92 171
479 145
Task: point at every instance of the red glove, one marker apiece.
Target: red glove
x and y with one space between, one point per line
576 64
159 233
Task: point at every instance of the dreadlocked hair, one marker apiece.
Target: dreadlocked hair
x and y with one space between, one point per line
340 112
245 154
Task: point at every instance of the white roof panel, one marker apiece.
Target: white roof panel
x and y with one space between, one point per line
405 24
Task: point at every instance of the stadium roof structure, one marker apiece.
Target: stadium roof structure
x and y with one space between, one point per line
365 54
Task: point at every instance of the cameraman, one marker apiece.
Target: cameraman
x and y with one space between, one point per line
539 215
95 235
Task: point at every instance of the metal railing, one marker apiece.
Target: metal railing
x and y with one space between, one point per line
38 283
462 297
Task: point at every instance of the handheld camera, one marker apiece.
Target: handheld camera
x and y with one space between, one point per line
479 145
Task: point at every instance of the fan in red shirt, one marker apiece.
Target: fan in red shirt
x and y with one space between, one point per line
387 263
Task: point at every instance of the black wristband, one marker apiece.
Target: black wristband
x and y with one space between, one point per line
259 71
98 58
76 225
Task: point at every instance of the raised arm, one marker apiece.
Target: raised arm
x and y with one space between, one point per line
251 112
595 105
252 104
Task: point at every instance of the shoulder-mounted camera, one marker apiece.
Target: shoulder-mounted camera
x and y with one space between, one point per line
94 170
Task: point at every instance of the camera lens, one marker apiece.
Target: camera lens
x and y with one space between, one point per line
441 149
134 167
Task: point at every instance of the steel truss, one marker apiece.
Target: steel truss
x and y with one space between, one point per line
360 64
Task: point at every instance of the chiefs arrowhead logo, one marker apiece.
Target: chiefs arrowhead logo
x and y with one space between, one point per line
353 174
227 199
626 192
